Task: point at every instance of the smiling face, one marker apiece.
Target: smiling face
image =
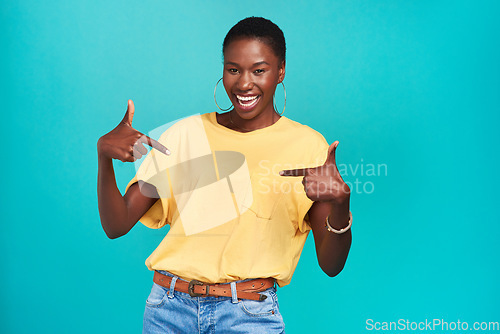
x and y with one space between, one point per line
251 72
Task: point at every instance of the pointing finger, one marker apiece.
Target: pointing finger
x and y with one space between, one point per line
298 171
294 172
129 115
154 144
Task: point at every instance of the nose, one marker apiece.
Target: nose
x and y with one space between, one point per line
245 82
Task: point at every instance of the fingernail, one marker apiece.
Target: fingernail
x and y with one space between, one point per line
282 172
167 152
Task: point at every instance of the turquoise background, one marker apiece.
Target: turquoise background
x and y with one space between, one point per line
412 85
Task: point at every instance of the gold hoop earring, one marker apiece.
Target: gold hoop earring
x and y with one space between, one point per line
215 98
274 103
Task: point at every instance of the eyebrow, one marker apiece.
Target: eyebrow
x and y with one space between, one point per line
256 64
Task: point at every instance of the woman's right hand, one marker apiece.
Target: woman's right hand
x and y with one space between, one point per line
126 143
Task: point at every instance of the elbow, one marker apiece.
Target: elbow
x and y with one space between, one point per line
112 233
333 271
115 228
113 236
332 262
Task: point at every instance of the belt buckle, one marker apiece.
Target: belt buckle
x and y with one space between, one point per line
192 283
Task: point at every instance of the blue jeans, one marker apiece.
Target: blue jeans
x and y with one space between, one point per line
169 311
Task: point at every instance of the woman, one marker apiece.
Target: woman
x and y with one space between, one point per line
240 191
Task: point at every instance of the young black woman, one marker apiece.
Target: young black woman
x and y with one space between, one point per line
240 191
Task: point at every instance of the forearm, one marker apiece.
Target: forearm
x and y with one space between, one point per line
334 248
112 206
331 195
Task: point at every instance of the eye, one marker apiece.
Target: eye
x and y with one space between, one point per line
259 71
232 70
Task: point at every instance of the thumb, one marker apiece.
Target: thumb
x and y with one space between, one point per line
129 115
331 153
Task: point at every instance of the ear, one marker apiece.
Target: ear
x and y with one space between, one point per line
281 72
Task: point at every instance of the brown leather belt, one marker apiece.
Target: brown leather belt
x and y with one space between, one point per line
245 290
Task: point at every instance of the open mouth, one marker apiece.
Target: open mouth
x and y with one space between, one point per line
247 102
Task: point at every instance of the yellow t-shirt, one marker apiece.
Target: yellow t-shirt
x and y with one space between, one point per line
231 215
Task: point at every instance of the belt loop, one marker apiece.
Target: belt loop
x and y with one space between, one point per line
234 294
172 287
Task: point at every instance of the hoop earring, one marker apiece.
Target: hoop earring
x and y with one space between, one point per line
274 103
215 99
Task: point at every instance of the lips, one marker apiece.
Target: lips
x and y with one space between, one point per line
247 102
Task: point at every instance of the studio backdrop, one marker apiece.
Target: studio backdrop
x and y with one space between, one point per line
411 89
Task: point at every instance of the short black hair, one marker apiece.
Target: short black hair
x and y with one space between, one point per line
259 28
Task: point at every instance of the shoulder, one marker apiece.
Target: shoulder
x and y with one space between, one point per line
309 141
305 132
182 125
188 121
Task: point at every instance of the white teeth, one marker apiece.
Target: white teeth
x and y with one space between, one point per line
246 98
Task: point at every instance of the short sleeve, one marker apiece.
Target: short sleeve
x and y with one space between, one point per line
304 203
303 220
186 140
154 170
157 215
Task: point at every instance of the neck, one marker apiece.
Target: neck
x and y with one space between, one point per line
244 125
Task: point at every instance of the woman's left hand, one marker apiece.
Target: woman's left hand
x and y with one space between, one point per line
323 183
